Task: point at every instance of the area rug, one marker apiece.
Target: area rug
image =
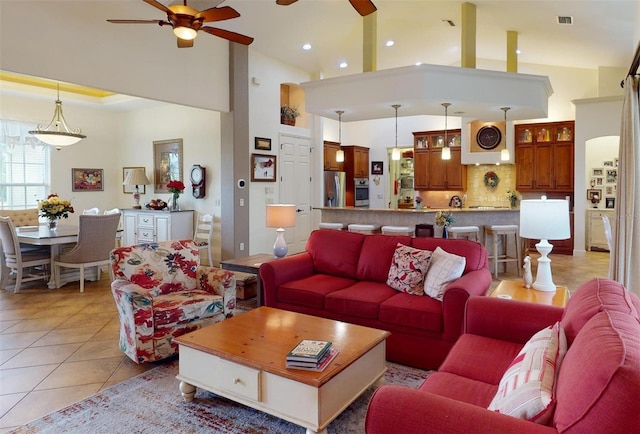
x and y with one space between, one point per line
151 403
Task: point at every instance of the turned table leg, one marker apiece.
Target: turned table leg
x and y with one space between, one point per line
188 391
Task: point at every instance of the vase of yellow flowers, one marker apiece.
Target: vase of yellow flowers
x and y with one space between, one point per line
175 187
54 208
444 219
512 195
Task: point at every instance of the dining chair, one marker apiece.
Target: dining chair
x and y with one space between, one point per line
95 242
119 230
91 211
17 261
202 235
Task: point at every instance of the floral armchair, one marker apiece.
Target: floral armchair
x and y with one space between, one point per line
162 292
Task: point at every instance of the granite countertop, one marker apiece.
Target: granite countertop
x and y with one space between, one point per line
421 210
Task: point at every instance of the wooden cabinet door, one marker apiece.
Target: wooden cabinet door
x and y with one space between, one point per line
437 171
421 169
456 171
361 156
330 150
544 165
524 167
563 166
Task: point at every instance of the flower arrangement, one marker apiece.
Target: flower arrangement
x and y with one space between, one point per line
175 187
289 112
54 208
444 218
418 201
491 179
512 195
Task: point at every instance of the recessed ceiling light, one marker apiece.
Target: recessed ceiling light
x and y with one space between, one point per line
390 43
306 47
343 64
518 51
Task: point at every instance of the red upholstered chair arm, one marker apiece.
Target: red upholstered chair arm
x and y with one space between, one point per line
508 320
455 298
275 273
401 410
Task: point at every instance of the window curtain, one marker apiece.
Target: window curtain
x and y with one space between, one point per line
15 133
624 264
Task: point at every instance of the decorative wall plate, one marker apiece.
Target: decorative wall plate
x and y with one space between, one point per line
489 137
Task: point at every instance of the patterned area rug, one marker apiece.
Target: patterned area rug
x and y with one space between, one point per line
152 403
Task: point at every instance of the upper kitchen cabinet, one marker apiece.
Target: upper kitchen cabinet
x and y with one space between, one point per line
330 160
356 161
431 171
544 157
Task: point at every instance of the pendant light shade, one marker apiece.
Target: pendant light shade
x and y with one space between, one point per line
340 152
446 151
62 135
395 153
504 154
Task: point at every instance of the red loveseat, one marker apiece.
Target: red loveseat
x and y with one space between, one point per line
342 275
597 385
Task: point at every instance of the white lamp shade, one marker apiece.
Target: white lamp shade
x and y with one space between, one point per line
446 153
395 154
136 177
281 216
505 155
544 219
340 156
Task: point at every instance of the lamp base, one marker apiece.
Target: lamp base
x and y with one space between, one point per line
544 281
280 246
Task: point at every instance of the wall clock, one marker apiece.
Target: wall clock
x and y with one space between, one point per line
198 179
489 137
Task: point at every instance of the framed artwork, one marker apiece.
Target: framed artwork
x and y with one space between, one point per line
608 163
167 163
262 144
610 202
263 168
130 189
597 171
610 190
598 180
377 168
615 162
612 176
594 193
87 179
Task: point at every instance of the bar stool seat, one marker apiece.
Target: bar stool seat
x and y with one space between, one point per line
469 232
364 229
501 233
397 230
334 226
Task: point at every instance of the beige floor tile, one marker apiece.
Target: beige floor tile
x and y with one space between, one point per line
8 354
110 331
4 325
79 373
95 349
85 319
23 379
63 311
31 325
129 369
17 314
7 402
19 340
46 355
67 336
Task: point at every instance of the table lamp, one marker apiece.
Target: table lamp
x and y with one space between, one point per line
544 219
136 177
280 216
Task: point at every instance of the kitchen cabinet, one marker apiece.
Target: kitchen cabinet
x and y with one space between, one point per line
150 226
595 228
356 162
431 171
330 162
544 157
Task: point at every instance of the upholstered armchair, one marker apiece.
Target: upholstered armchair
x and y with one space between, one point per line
162 292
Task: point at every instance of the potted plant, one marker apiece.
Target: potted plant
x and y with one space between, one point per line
288 114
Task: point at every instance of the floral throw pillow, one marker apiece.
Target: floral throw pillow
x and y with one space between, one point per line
445 268
408 268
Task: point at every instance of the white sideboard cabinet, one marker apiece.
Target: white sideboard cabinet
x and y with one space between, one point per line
595 228
144 226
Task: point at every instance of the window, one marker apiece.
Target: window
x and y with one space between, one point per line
24 166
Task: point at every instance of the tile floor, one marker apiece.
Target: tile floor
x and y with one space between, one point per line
60 346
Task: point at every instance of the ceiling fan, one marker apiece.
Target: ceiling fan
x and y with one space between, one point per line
186 21
364 7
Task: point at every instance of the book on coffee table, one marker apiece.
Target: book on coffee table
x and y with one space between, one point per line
315 367
309 350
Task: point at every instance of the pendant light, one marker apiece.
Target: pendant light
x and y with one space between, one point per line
340 152
395 153
446 151
57 137
504 154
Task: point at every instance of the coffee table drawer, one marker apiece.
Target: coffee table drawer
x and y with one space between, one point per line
238 379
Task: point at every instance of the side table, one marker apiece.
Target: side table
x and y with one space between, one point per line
515 290
249 264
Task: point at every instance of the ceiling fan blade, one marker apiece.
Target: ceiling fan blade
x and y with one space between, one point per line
364 7
285 2
229 35
217 14
185 43
136 21
158 5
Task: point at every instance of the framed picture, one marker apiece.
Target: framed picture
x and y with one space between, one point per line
594 193
262 144
263 168
167 163
612 176
597 171
597 180
608 163
610 202
87 179
610 190
130 189
377 168
615 162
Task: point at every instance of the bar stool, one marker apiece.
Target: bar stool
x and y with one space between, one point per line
469 232
397 230
364 229
424 230
502 232
334 226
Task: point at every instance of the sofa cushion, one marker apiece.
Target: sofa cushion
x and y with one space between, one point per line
444 269
592 297
599 380
526 390
474 253
360 299
376 255
408 268
311 291
422 313
175 308
328 259
459 388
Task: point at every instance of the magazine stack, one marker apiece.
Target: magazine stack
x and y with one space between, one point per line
311 355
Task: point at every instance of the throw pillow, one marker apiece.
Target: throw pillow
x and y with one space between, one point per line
527 388
445 268
408 267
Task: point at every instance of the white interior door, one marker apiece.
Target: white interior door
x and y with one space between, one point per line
295 187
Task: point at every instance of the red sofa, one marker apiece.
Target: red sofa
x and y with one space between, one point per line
342 275
597 386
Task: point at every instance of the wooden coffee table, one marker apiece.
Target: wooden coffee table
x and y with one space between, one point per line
515 290
243 358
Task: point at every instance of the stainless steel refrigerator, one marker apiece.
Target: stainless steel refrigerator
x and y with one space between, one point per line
335 188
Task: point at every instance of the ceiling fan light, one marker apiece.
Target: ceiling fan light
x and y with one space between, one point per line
185 33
